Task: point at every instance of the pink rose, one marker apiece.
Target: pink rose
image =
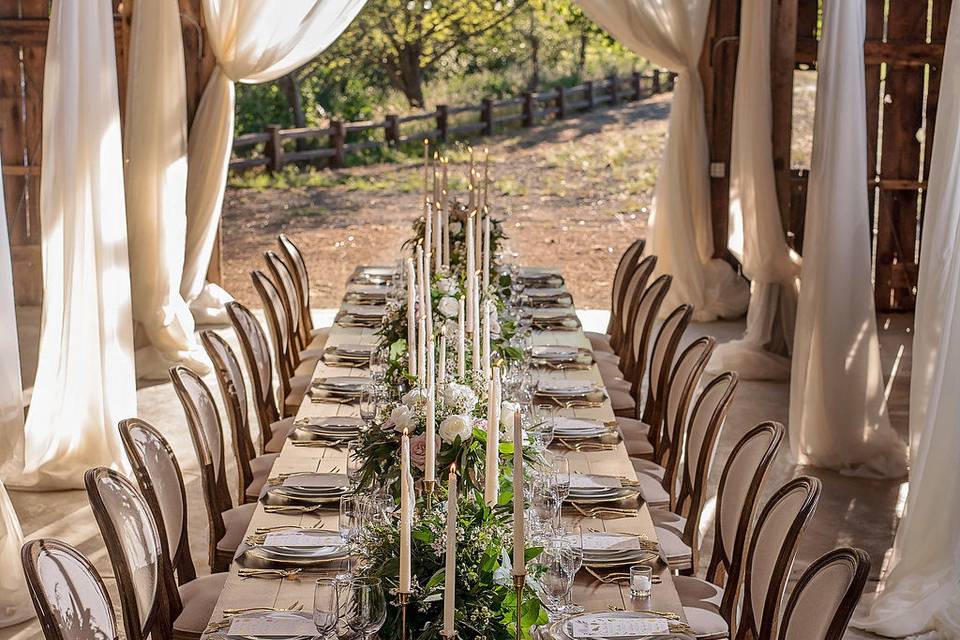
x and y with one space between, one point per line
418 450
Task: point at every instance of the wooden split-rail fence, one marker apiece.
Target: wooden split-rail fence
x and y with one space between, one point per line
329 146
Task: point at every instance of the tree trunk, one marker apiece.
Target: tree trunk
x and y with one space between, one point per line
534 82
291 89
410 76
582 57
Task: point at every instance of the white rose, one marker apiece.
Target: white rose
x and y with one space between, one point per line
414 398
447 286
402 418
449 307
455 426
450 329
507 412
494 326
456 227
460 396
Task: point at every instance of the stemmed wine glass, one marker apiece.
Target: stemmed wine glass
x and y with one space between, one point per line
363 607
325 607
350 516
353 464
369 402
574 535
554 572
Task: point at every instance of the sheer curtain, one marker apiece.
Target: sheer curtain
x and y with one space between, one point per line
85 373
756 230
838 414
670 34
155 173
253 42
922 590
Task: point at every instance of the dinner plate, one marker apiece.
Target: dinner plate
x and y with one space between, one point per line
566 427
614 495
288 625
365 310
330 423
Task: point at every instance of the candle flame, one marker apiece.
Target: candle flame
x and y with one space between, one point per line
406 433
453 468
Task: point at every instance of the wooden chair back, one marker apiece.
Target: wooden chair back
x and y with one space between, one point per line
233 390
635 285
206 431
703 433
661 362
71 600
148 597
256 354
644 318
283 342
823 601
298 267
773 548
160 479
628 261
684 379
741 483
286 284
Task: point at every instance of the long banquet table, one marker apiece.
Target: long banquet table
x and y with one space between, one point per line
592 594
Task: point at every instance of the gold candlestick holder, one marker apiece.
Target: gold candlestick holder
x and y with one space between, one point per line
429 486
518 582
404 599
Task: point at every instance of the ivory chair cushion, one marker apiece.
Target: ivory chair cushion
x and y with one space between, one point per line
649 468
299 384
199 598
260 466
622 402
636 437
280 430
235 521
606 357
669 527
599 341
651 490
701 606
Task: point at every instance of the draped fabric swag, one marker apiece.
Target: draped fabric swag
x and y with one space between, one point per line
85 374
253 42
155 172
670 34
838 415
757 236
922 590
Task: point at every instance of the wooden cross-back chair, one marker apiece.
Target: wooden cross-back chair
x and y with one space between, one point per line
158 474
293 381
615 367
256 354
286 285
678 528
227 523
252 469
711 603
625 266
825 596
298 267
661 363
68 594
644 319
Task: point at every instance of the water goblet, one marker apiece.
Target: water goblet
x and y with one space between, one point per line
554 576
325 608
349 521
363 606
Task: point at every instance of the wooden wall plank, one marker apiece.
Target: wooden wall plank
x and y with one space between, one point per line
783 45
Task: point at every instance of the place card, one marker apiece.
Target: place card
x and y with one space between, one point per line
316 481
586 482
365 310
610 542
301 539
565 387
616 627
275 624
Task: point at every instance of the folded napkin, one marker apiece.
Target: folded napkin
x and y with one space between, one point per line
589 482
365 310
599 625
354 350
316 481
567 426
564 387
342 383
610 542
273 624
302 539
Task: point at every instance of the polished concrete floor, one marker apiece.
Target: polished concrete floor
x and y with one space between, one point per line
852 511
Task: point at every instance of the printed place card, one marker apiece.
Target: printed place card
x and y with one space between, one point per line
618 627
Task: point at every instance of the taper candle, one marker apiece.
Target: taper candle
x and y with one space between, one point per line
442 362
519 561
411 319
461 339
485 346
430 455
486 251
437 239
450 566
491 484
470 268
406 512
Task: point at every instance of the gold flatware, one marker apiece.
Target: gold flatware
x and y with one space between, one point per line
319 443
269 573
615 576
587 446
296 606
291 509
595 511
262 530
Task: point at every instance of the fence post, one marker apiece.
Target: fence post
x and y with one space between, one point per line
391 130
671 79
656 81
591 103
486 116
338 136
274 147
561 103
637 88
529 109
443 121
614 90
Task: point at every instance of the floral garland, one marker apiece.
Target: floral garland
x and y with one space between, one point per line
485 596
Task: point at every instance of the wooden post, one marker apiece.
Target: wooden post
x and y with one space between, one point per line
529 109
783 51
337 138
591 100
635 78
655 87
561 103
391 129
443 121
486 116
274 147
614 90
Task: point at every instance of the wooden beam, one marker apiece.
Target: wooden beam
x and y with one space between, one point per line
783 44
908 54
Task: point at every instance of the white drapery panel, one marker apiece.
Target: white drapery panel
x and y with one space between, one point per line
155 172
253 42
15 605
922 590
670 33
757 236
85 374
838 416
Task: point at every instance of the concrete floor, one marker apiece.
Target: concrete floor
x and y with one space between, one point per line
852 511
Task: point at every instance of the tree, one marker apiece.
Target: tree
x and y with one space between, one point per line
408 39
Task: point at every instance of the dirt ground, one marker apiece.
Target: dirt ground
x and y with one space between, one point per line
574 193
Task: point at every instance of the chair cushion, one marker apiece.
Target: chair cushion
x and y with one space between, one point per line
632 425
651 490
199 598
260 466
606 357
701 606
706 624
318 338
308 364
637 444
622 401
236 521
650 468
674 549
280 430
299 385
666 519
599 341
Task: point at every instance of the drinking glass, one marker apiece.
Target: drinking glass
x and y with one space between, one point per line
560 478
369 399
354 463
543 506
349 517
325 608
554 574
574 535
363 606
641 581
378 365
